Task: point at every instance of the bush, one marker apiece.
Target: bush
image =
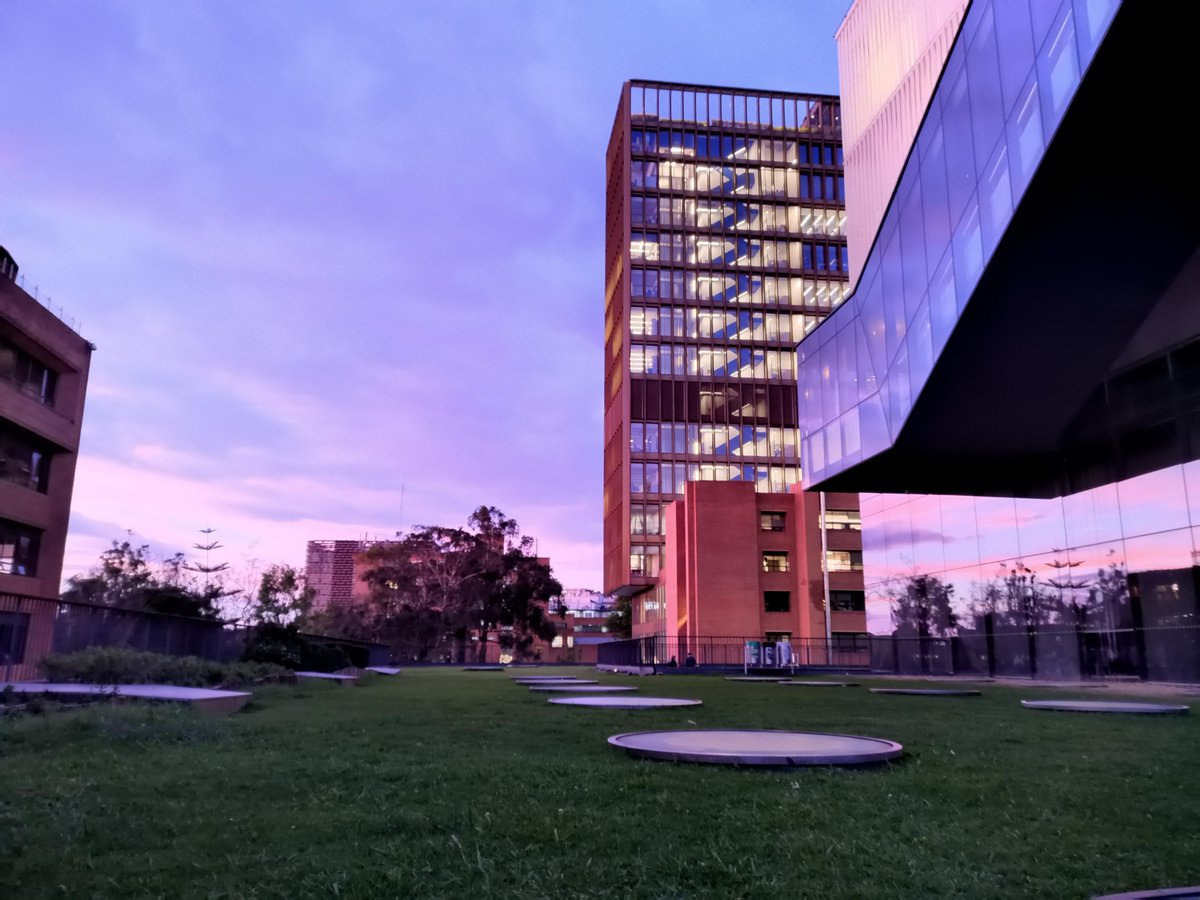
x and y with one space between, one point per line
121 665
283 645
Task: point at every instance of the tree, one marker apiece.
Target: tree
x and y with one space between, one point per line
214 590
441 584
283 598
127 578
620 620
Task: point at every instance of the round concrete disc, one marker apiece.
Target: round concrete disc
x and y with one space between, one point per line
795 683
1106 706
581 688
756 678
483 668
925 692
758 748
1175 893
625 702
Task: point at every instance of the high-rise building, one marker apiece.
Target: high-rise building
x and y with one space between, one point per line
330 571
724 245
43 378
1018 372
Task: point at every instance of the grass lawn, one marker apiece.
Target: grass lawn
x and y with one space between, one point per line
442 783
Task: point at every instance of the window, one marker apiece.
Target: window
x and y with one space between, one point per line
843 520
844 560
18 548
847 601
26 374
777 601
14 627
23 459
776 560
772 521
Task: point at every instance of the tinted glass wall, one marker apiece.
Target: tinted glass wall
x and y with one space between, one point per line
1106 580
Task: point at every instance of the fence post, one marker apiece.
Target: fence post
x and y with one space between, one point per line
895 655
989 635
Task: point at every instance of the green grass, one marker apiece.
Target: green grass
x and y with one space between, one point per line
464 785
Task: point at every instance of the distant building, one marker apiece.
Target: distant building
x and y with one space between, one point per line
43 379
331 571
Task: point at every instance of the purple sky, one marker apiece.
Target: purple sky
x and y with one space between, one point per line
333 254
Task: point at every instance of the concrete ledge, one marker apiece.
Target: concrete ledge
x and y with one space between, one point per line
627 670
210 702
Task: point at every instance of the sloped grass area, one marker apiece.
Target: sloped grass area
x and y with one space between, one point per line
442 783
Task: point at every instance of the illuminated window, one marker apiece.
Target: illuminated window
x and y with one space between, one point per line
843 519
844 560
775 561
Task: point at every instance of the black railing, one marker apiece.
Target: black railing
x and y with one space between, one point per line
1156 653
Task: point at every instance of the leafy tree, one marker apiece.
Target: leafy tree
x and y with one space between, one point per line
126 577
283 597
620 620
462 585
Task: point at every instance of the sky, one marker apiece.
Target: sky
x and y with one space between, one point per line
343 262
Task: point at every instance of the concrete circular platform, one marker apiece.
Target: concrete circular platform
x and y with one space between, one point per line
926 692
734 747
1106 706
625 702
1191 892
483 668
801 683
756 678
581 688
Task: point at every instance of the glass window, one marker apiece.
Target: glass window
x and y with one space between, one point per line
18 548
775 561
843 560
777 601
843 519
636 478
772 521
636 430
847 600
27 374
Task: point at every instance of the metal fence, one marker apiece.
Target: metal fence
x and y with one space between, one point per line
846 652
78 626
1153 653
31 627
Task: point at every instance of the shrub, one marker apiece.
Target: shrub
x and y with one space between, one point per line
285 646
122 665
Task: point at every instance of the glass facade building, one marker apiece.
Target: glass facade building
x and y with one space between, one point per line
1010 77
725 244
1016 378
